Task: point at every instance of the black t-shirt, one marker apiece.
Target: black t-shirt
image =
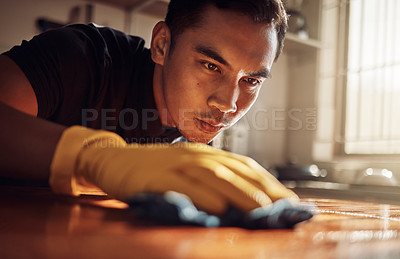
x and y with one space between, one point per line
96 77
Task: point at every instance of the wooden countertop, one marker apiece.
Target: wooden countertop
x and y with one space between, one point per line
34 223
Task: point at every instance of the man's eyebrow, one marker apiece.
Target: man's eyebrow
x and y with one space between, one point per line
209 52
266 73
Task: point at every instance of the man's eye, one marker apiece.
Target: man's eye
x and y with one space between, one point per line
211 66
252 81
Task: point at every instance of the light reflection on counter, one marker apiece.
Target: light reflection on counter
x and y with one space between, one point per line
355 236
358 214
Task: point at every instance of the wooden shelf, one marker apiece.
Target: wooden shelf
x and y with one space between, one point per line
295 43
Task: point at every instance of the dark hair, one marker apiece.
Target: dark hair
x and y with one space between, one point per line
183 14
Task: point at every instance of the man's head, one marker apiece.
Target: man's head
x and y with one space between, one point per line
183 14
211 60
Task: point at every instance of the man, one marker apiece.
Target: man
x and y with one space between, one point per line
205 68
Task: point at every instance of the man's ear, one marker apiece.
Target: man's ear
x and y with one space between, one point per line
160 42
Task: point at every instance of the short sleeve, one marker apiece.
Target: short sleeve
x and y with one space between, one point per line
63 64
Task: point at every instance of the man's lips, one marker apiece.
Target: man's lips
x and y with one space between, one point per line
209 126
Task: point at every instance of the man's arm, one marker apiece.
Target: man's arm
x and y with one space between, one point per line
75 159
15 89
27 143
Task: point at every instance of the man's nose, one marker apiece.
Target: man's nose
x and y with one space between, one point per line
225 97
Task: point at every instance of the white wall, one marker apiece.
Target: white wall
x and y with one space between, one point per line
144 17
18 17
142 25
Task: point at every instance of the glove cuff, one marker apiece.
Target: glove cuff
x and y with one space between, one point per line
63 178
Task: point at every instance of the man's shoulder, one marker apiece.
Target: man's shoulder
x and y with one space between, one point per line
95 35
117 38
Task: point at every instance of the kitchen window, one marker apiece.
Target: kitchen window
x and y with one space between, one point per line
372 78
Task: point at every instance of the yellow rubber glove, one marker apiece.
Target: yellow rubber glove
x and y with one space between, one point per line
211 178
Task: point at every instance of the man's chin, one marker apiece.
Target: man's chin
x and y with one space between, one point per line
205 139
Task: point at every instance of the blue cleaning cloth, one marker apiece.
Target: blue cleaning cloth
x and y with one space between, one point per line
174 208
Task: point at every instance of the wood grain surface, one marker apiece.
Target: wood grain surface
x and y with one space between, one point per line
35 223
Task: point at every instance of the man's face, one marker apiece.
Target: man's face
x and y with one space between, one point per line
214 73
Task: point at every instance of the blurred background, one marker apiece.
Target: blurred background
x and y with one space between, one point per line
327 124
